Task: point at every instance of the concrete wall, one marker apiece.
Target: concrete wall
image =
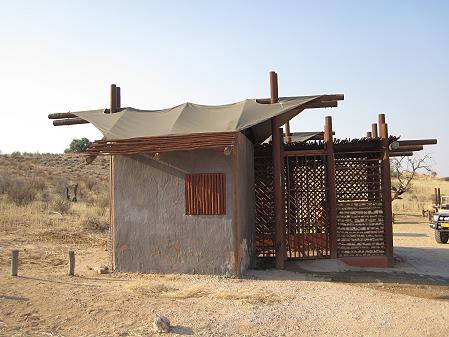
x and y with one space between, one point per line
246 203
152 232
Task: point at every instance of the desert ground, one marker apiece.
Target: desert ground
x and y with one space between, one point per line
319 298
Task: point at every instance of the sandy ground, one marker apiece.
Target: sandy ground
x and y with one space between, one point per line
410 300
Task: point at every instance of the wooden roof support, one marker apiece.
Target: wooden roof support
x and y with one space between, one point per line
69 121
401 154
417 142
118 98
332 189
113 100
277 140
61 115
374 133
406 148
386 189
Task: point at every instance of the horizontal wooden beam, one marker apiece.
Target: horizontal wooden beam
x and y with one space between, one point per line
318 105
322 98
401 154
417 142
69 121
407 148
295 153
62 115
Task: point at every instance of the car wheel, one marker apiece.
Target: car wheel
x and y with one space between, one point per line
441 237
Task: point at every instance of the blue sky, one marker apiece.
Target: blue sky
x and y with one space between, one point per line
387 57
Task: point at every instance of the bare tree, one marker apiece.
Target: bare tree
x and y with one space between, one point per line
404 169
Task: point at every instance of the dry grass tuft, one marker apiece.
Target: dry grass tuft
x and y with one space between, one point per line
180 291
151 289
249 296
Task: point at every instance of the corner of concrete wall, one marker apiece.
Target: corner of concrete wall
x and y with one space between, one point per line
246 203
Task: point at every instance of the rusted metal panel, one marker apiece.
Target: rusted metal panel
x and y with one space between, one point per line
205 193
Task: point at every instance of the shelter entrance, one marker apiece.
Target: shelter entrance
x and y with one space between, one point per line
305 202
306 207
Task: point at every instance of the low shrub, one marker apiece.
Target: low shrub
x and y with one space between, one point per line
61 206
21 192
93 223
90 183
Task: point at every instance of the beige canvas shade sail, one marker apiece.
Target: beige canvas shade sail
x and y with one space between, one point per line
189 118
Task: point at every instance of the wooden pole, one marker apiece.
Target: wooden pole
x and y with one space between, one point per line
118 98
113 101
386 192
417 142
374 132
71 263
381 120
14 262
439 196
277 141
436 196
235 215
332 190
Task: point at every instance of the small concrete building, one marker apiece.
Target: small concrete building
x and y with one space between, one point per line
184 211
182 181
203 189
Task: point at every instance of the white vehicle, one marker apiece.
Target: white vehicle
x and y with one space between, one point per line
440 220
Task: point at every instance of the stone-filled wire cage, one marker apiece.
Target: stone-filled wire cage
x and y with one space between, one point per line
360 218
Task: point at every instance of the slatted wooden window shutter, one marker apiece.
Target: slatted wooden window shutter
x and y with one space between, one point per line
205 194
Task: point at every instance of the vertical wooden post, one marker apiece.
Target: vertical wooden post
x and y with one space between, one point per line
381 120
235 215
118 99
436 196
369 172
374 132
439 196
277 141
386 191
112 185
71 263
113 102
14 262
331 185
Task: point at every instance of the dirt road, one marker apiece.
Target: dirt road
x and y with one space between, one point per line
44 301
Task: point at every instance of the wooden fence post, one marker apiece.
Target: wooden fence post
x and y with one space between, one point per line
14 262
71 263
331 185
386 191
